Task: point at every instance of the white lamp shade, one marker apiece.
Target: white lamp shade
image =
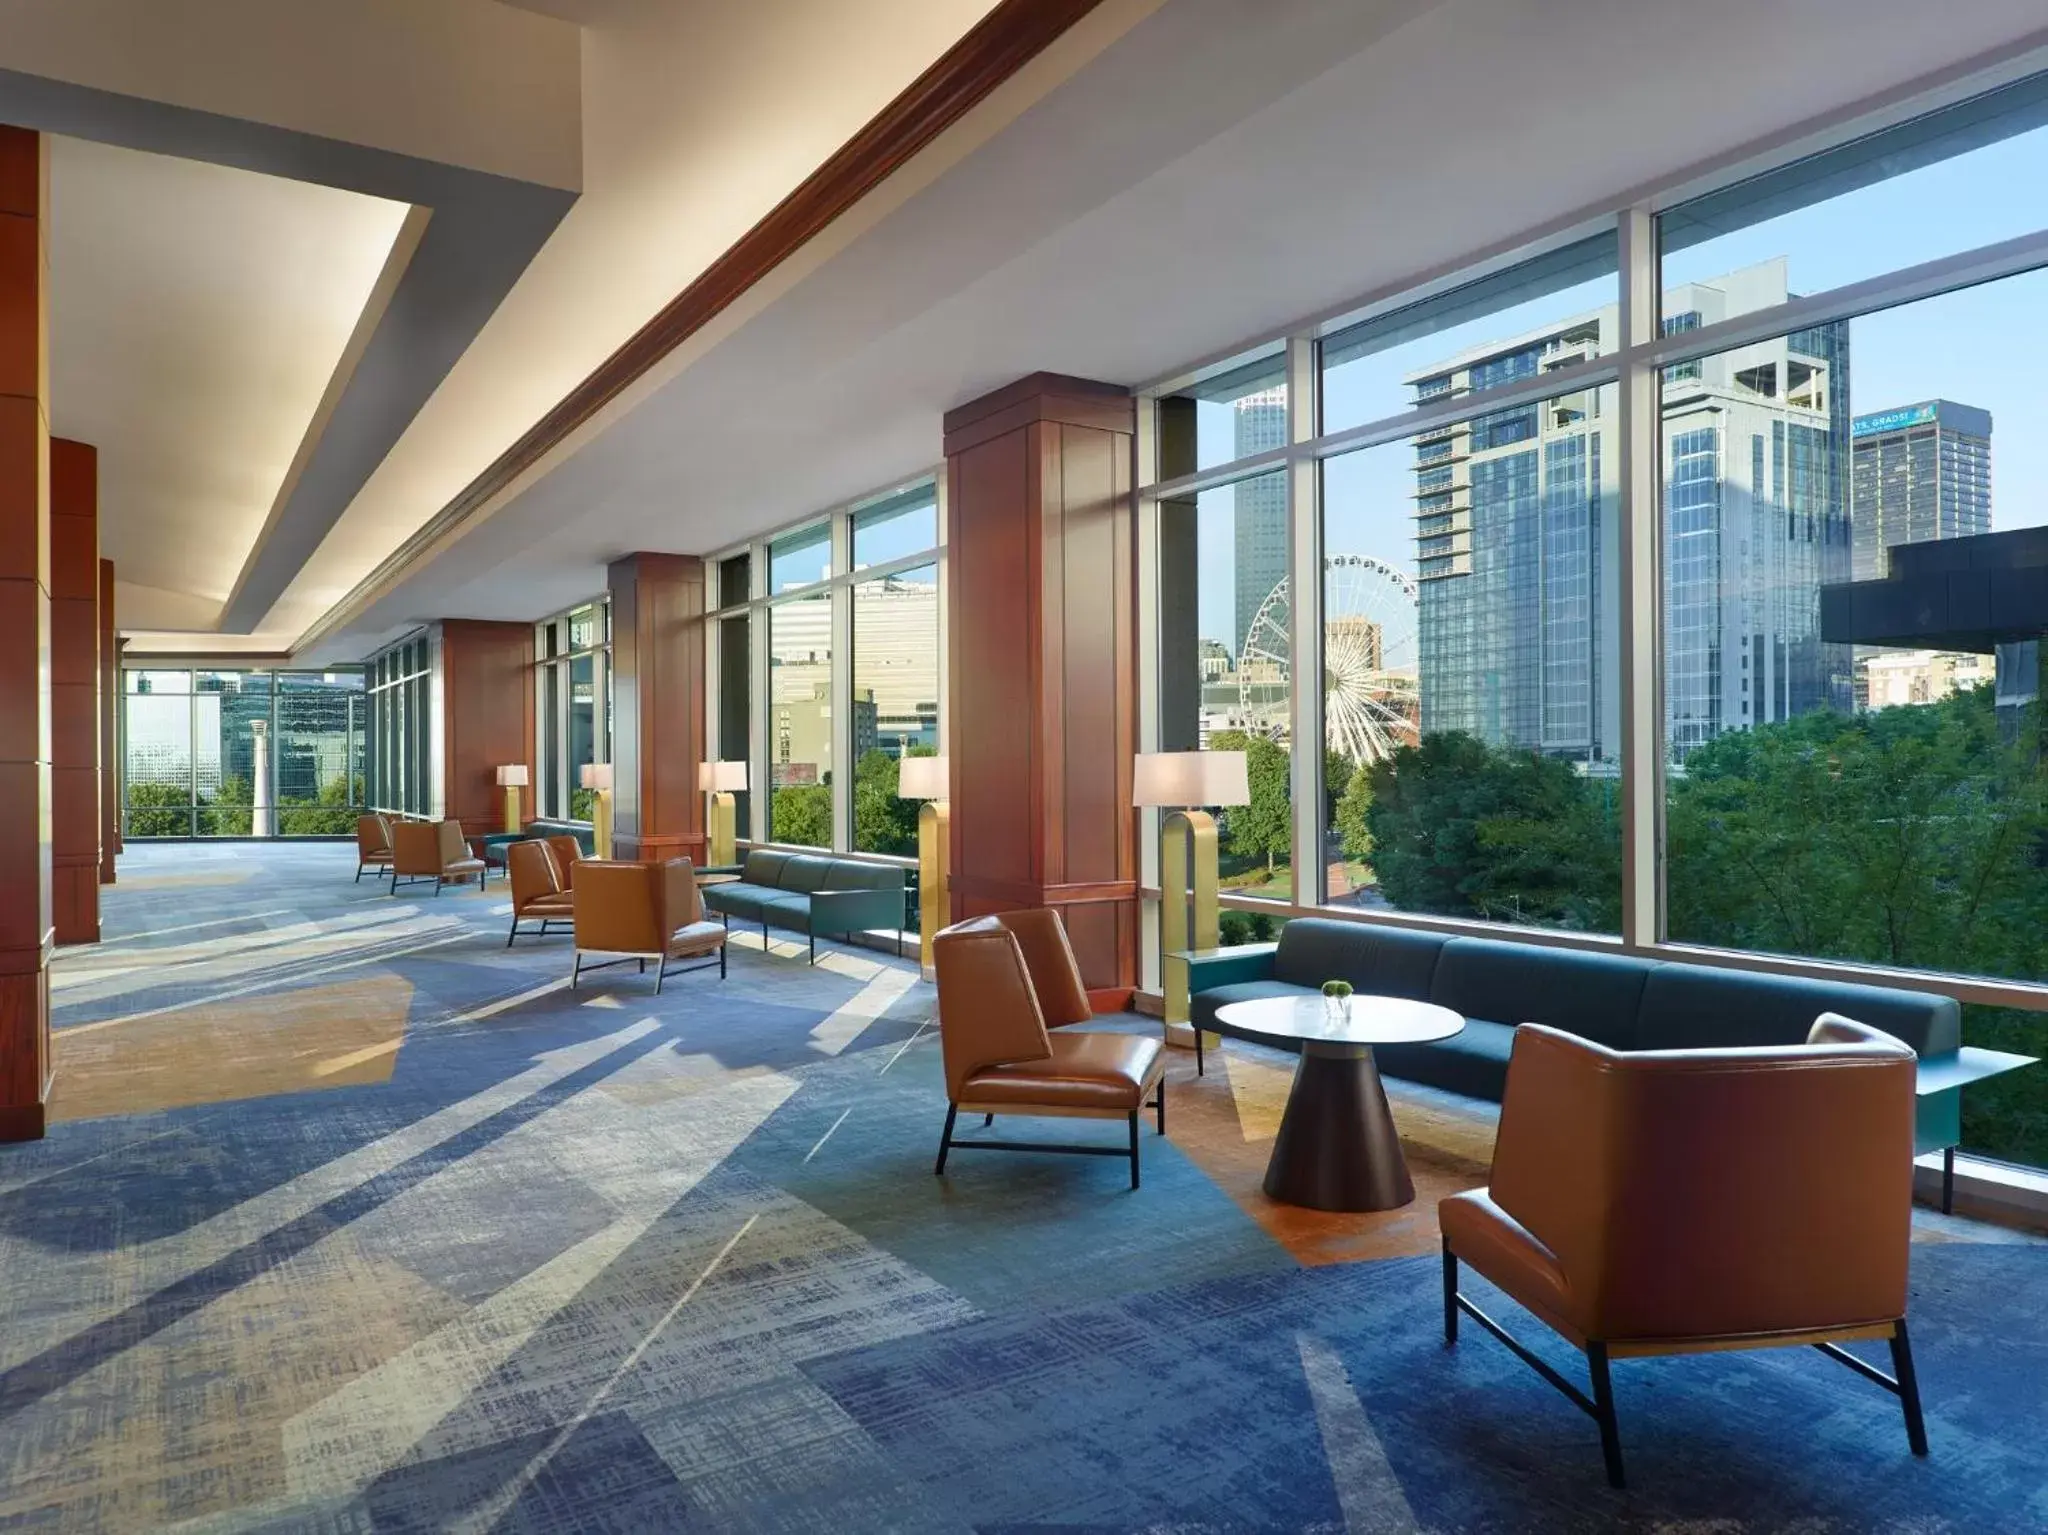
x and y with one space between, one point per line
512 777
597 775
722 777
1184 779
922 778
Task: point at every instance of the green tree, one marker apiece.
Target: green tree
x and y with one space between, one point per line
883 823
159 810
228 813
1264 828
1459 828
1354 835
801 813
331 813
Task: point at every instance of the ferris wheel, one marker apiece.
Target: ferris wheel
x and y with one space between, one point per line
1371 692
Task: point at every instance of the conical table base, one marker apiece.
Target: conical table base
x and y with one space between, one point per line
1337 1148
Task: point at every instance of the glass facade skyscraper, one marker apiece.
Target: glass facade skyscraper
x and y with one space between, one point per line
1919 472
1517 536
1261 505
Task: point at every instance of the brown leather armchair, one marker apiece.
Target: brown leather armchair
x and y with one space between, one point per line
373 844
1681 1201
567 852
642 911
1004 982
437 851
538 894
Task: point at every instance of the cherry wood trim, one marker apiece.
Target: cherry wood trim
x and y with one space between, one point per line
1011 35
1024 893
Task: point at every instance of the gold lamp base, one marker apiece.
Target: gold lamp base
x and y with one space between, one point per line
601 823
1188 913
512 809
720 842
934 906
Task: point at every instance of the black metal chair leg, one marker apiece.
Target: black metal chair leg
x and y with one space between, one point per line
515 932
1134 1148
1200 1068
1909 1389
660 973
814 948
987 1120
1603 1413
721 961
1450 1296
946 1138
576 970
1159 1103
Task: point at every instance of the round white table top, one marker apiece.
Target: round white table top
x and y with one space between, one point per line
1368 1020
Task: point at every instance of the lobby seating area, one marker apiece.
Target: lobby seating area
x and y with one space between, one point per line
1456 592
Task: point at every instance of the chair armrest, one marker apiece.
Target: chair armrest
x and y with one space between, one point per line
1226 967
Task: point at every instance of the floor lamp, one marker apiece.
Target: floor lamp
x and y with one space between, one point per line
597 776
1181 783
721 780
512 779
926 778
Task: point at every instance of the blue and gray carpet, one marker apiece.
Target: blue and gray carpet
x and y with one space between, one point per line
353 1221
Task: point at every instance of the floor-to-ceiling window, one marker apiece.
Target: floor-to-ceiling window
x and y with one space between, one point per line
1672 584
401 738
218 753
572 678
827 670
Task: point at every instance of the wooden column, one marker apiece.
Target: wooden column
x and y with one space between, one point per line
1042 619
75 799
110 729
487 716
657 706
25 931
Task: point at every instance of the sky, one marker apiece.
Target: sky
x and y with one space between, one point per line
1986 346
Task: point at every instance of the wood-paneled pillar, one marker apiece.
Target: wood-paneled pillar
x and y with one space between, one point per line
1042 620
75 798
657 706
110 729
25 931
487 713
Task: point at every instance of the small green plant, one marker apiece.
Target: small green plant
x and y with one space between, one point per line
1336 988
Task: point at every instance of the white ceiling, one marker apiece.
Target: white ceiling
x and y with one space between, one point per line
197 314
1219 171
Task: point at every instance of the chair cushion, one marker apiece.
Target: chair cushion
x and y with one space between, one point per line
456 866
803 873
1595 996
556 903
791 908
1385 961
739 898
1691 1007
1087 1070
762 867
697 938
1202 1005
1473 1061
1482 1234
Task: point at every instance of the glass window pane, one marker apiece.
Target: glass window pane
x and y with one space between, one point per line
583 628
231 745
1471 642
1224 662
1933 187
1228 416
800 559
800 721
1533 318
157 776
553 798
317 777
895 701
1854 734
582 734
736 703
896 526
735 578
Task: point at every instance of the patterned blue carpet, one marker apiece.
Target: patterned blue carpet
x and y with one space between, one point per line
357 1222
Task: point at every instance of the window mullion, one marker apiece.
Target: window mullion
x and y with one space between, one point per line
1642 683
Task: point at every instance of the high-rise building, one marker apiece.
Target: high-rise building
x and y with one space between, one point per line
1517 535
1261 510
1919 472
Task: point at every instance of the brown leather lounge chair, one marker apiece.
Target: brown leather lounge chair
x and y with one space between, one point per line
538 894
1004 981
437 851
373 844
642 911
1683 1201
